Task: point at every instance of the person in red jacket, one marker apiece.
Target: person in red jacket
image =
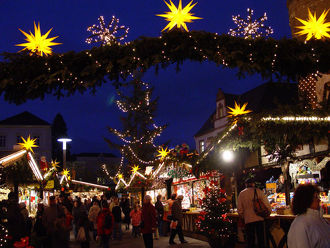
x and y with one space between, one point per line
149 222
105 224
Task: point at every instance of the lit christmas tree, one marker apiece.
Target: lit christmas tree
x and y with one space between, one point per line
213 221
249 28
139 130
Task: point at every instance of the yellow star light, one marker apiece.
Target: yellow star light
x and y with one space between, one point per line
178 16
135 168
66 173
238 110
38 43
28 144
55 164
314 27
162 153
120 176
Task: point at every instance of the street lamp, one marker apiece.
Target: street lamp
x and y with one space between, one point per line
64 141
228 156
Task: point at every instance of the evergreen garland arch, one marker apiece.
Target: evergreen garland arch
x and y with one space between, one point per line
24 77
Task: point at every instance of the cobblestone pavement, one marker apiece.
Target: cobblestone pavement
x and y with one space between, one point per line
129 242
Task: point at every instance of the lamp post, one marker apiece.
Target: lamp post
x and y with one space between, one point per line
64 141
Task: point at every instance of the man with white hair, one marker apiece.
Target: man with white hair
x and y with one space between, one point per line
177 215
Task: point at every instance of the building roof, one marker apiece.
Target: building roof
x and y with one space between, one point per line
24 119
262 98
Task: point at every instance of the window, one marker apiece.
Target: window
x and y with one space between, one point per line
37 138
19 139
220 110
2 141
201 146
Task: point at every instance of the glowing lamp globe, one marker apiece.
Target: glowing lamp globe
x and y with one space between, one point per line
228 156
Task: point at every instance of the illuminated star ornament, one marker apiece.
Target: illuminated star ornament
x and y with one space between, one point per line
66 172
178 16
120 176
135 169
249 28
238 110
28 144
37 43
314 27
107 34
162 153
55 165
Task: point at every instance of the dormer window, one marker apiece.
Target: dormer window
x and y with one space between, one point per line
220 110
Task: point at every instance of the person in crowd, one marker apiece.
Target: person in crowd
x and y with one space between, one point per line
177 215
168 214
160 213
38 229
112 202
50 215
124 204
116 212
68 223
76 211
27 219
280 187
92 216
105 223
135 215
60 231
309 229
16 224
84 223
149 221
254 224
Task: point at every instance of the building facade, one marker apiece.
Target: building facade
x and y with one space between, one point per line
23 125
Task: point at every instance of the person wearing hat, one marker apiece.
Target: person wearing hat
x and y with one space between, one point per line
254 224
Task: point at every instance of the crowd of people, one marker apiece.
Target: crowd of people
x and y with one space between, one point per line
99 219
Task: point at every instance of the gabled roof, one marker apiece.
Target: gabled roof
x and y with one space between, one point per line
24 119
262 98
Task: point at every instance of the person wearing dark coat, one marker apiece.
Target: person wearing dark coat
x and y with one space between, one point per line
126 210
39 229
177 215
16 224
160 213
83 222
149 220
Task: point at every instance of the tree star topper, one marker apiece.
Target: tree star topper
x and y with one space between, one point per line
238 110
314 27
28 144
162 153
38 43
178 16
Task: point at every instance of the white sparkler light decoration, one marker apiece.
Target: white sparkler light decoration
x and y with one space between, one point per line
249 28
107 34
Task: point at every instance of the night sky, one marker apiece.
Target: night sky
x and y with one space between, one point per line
186 98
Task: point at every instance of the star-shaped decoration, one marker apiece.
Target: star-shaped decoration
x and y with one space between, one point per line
135 169
162 153
120 176
178 16
238 110
66 173
314 27
55 165
28 144
38 43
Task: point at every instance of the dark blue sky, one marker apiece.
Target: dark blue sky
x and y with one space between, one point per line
186 98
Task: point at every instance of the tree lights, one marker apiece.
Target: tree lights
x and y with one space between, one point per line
249 28
107 34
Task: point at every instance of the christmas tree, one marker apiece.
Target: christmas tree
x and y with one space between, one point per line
139 130
213 221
